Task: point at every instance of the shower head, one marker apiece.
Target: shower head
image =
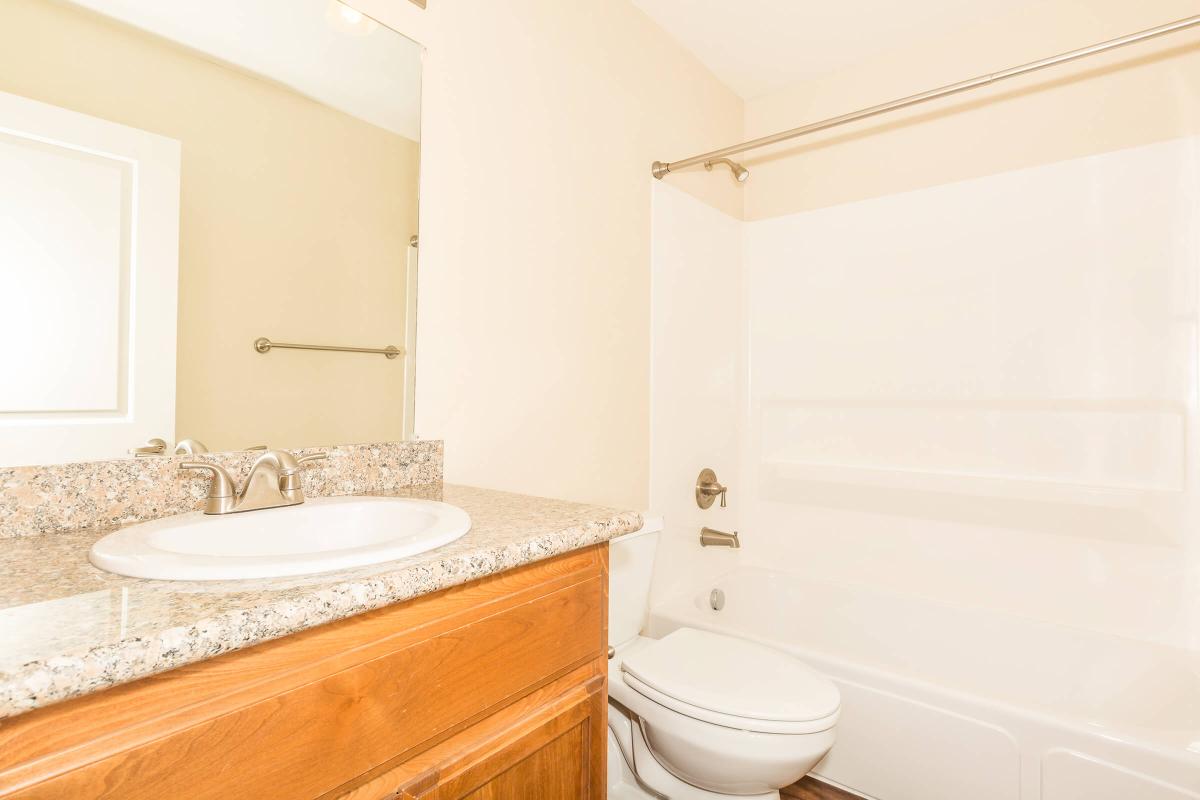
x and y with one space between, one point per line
740 173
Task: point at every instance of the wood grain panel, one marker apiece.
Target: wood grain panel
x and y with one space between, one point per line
300 716
554 771
471 744
522 758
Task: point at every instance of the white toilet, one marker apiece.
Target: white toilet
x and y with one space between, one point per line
702 716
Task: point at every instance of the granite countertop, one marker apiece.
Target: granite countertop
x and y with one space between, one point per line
68 628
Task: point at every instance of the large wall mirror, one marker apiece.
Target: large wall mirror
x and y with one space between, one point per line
184 188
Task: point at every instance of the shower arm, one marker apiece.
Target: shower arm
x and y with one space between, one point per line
660 169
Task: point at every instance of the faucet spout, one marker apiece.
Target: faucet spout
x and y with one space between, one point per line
273 482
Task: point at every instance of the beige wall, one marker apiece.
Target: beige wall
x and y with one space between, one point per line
1141 94
540 120
295 221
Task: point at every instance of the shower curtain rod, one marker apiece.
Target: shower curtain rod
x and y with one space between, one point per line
659 169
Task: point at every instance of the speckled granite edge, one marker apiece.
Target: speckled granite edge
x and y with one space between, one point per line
42 683
56 498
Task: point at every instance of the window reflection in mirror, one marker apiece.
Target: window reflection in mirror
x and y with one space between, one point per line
179 180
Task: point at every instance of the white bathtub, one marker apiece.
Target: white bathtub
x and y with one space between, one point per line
947 703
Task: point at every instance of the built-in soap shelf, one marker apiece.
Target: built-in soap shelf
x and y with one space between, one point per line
962 483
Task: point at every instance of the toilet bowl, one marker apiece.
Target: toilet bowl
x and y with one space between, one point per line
699 715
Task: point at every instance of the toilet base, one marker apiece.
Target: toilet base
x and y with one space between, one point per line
652 775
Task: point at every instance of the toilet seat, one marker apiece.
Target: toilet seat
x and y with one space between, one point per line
733 683
729 720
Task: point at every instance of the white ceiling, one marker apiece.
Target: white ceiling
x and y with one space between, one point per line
760 46
374 74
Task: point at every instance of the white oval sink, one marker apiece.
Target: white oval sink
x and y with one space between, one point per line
318 535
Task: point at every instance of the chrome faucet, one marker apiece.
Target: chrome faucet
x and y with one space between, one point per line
274 481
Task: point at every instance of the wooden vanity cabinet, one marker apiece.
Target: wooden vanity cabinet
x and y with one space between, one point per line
544 748
494 690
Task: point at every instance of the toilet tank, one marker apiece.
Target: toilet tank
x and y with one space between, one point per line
630 567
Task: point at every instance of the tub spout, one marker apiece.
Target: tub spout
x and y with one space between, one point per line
715 538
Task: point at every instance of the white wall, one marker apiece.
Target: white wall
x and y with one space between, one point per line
985 392
696 382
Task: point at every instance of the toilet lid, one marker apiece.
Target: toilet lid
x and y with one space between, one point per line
734 677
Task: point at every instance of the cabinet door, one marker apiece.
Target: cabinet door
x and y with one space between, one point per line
556 754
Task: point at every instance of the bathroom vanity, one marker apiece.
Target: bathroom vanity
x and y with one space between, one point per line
475 691
475 670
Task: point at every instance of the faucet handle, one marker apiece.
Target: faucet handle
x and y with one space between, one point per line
220 489
708 488
290 480
152 447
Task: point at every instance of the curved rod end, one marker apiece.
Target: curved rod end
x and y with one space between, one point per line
659 169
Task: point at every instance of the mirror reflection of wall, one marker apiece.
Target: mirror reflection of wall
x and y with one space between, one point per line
292 160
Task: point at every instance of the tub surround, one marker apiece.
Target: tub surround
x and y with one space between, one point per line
60 498
68 628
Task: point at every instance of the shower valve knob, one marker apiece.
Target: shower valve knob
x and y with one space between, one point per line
708 489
